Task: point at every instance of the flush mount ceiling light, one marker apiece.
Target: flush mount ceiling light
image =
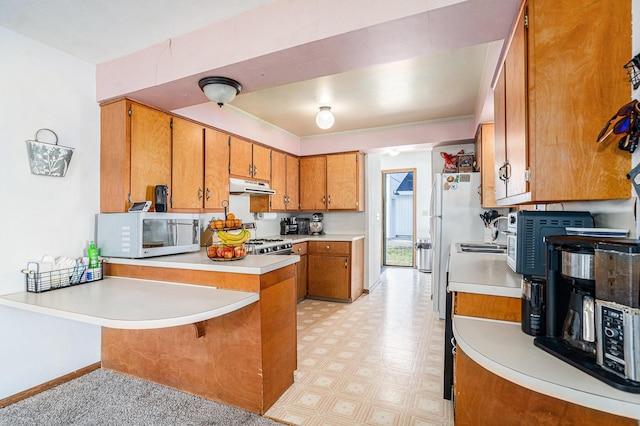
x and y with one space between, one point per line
220 90
325 118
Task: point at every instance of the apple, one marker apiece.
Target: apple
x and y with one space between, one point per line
220 251
237 251
228 254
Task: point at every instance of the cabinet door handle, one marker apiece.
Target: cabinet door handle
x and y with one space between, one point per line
346 264
200 193
250 170
502 173
324 199
329 199
255 171
507 170
208 194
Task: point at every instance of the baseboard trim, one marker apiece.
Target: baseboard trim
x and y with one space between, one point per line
373 287
48 385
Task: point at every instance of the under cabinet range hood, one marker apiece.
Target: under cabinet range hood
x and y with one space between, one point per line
249 187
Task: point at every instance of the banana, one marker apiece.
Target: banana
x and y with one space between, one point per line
234 239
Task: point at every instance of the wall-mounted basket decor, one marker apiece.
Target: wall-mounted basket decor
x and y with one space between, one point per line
49 159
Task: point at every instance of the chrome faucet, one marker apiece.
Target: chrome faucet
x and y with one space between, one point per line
494 227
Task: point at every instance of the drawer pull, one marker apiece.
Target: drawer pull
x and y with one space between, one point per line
327 247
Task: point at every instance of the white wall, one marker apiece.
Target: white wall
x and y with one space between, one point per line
373 221
43 88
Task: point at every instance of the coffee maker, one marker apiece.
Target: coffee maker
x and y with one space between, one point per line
580 324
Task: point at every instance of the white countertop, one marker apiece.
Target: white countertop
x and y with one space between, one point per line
502 348
327 237
133 304
251 264
482 273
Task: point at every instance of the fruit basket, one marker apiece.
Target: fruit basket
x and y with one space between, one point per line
226 252
228 245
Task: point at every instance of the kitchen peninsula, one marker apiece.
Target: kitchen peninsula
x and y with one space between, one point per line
245 358
225 331
500 376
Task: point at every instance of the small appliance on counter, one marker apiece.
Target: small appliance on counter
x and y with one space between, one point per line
533 312
161 193
288 225
592 303
315 226
147 234
303 226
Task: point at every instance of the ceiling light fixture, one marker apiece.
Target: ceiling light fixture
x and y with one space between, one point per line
324 118
394 153
220 90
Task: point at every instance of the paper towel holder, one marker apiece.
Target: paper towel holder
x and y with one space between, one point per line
266 216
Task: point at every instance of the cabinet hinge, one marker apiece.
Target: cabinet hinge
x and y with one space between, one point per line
229 141
171 123
527 175
130 112
526 22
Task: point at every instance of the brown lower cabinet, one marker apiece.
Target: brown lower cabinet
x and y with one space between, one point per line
245 358
301 270
336 270
483 398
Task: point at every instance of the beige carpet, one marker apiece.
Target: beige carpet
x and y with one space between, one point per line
104 397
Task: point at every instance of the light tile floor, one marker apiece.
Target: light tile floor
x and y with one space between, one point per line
377 361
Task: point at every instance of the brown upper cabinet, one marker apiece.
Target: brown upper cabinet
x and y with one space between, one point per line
200 176
284 181
485 162
135 154
332 182
249 160
561 80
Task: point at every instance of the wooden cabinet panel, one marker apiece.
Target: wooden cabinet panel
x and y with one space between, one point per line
150 152
329 247
342 181
562 83
135 154
216 172
516 110
240 158
188 165
483 398
485 158
261 162
499 141
328 276
293 175
115 157
301 270
485 306
313 183
278 181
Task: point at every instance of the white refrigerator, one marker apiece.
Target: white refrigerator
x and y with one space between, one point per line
455 216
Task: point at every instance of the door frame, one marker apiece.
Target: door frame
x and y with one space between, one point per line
384 214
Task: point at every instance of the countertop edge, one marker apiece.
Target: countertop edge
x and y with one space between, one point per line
486 289
542 386
248 299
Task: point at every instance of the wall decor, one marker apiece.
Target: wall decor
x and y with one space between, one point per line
48 159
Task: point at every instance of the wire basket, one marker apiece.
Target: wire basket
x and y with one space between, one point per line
49 159
38 282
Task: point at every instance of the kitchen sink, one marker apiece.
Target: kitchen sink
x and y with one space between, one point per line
481 248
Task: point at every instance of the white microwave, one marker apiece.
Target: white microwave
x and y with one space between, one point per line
147 234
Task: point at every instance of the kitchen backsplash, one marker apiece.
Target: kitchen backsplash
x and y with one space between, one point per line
334 223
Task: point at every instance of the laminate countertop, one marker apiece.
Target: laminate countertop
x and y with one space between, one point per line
327 237
251 264
129 303
502 348
482 273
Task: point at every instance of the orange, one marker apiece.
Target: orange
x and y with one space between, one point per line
231 216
